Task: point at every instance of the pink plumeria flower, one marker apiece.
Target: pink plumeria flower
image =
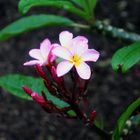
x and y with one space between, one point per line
43 56
77 54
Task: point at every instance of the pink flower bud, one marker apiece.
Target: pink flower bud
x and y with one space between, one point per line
27 90
92 116
40 100
41 72
59 80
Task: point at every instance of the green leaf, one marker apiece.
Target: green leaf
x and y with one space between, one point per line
89 6
126 57
86 7
123 118
116 134
77 2
14 83
71 113
92 4
32 22
99 122
26 5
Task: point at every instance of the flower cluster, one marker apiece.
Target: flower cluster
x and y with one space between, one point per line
74 53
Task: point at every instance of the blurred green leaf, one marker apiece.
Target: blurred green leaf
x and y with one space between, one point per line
123 118
89 6
13 84
126 57
99 122
25 5
32 22
92 4
85 5
77 2
71 113
116 134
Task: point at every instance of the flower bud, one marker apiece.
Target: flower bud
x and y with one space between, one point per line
27 90
55 77
40 100
92 116
41 72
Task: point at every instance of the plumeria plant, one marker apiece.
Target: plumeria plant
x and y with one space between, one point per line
74 53
70 57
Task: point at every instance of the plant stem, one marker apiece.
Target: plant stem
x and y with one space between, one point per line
110 30
78 111
116 32
105 135
78 25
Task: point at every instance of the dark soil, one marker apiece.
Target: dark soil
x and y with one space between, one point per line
109 92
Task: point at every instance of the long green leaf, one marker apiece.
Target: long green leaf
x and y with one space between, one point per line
123 118
85 4
89 6
26 5
92 4
13 84
126 57
77 2
32 22
99 122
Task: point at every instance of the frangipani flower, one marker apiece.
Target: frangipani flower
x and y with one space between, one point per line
43 55
76 54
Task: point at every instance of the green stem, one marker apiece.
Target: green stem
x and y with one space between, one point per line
116 32
110 30
78 25
105 135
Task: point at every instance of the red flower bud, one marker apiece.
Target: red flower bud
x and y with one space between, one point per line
39 99
57 79
27 90
92 116
41 72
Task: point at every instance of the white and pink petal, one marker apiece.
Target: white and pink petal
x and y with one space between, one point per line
36 53
65 38
63 68
83 71
79 45
32 62
45 47
62 53
81 39
90 55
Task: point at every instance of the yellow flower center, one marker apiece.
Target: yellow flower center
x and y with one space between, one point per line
76 60
66 47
